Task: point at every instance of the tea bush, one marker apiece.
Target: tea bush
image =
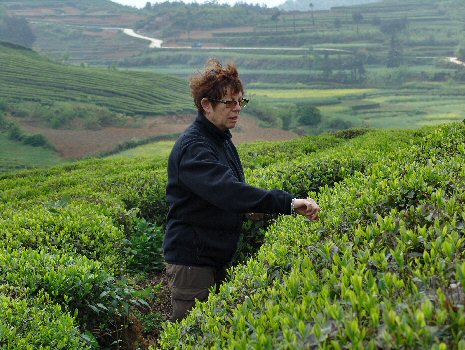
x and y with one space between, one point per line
383 268
388 244
66 234
37 323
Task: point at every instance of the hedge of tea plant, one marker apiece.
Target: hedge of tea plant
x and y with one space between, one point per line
26 76
71 234
300 167
36 323
66 234
304 173
383 268
264 153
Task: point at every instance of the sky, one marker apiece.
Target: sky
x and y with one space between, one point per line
141 3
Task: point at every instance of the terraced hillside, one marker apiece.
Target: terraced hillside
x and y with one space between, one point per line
79 31
25 75
80 110
84 111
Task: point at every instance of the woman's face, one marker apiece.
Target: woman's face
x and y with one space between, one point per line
224 115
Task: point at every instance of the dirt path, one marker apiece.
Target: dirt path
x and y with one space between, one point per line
75 144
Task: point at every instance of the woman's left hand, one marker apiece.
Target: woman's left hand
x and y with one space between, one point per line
307 207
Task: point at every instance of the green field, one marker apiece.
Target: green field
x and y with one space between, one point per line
159 149
411 106
17 156
42 93
383 268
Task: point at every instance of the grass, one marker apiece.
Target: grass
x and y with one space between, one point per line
309 93
14 155
410 106
160 149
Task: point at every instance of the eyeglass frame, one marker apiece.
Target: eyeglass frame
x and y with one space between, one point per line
242 103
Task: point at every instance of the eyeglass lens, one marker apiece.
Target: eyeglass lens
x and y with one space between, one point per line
232 103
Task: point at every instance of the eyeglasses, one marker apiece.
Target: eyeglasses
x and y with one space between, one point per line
232 103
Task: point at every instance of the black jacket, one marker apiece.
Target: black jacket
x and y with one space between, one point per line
208 197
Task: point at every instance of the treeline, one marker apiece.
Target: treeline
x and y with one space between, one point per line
177 16
15 133
16 30
299 5
91 5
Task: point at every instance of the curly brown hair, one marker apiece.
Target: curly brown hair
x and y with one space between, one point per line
214 82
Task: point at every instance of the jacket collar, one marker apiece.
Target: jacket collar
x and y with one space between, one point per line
217 134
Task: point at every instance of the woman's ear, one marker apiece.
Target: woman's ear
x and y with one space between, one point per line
206 105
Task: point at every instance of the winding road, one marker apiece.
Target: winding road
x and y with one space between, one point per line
154 43
455 60
157 43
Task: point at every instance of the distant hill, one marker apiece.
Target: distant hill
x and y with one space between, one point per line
79 110
79 31
90 32
26 75
306 5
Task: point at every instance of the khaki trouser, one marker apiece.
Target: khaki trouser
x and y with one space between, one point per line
191 283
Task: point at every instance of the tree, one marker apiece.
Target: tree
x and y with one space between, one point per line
65 57
358 70
357 17
293 20
308 114
275 18
393 28
376 21
460 52
148 6
16 30
311 11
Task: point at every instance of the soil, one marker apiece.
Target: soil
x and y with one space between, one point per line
78 143
161 305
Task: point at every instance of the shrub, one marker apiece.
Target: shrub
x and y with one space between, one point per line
145 244
36 140
37 323
308 114
382 268
340 124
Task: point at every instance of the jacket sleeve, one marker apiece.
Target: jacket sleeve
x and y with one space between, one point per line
202 173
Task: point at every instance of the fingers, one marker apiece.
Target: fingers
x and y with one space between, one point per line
315 210
310 209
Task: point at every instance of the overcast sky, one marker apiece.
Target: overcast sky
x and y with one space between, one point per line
141 3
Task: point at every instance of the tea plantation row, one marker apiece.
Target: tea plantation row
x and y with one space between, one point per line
27 76
71 234
384 267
